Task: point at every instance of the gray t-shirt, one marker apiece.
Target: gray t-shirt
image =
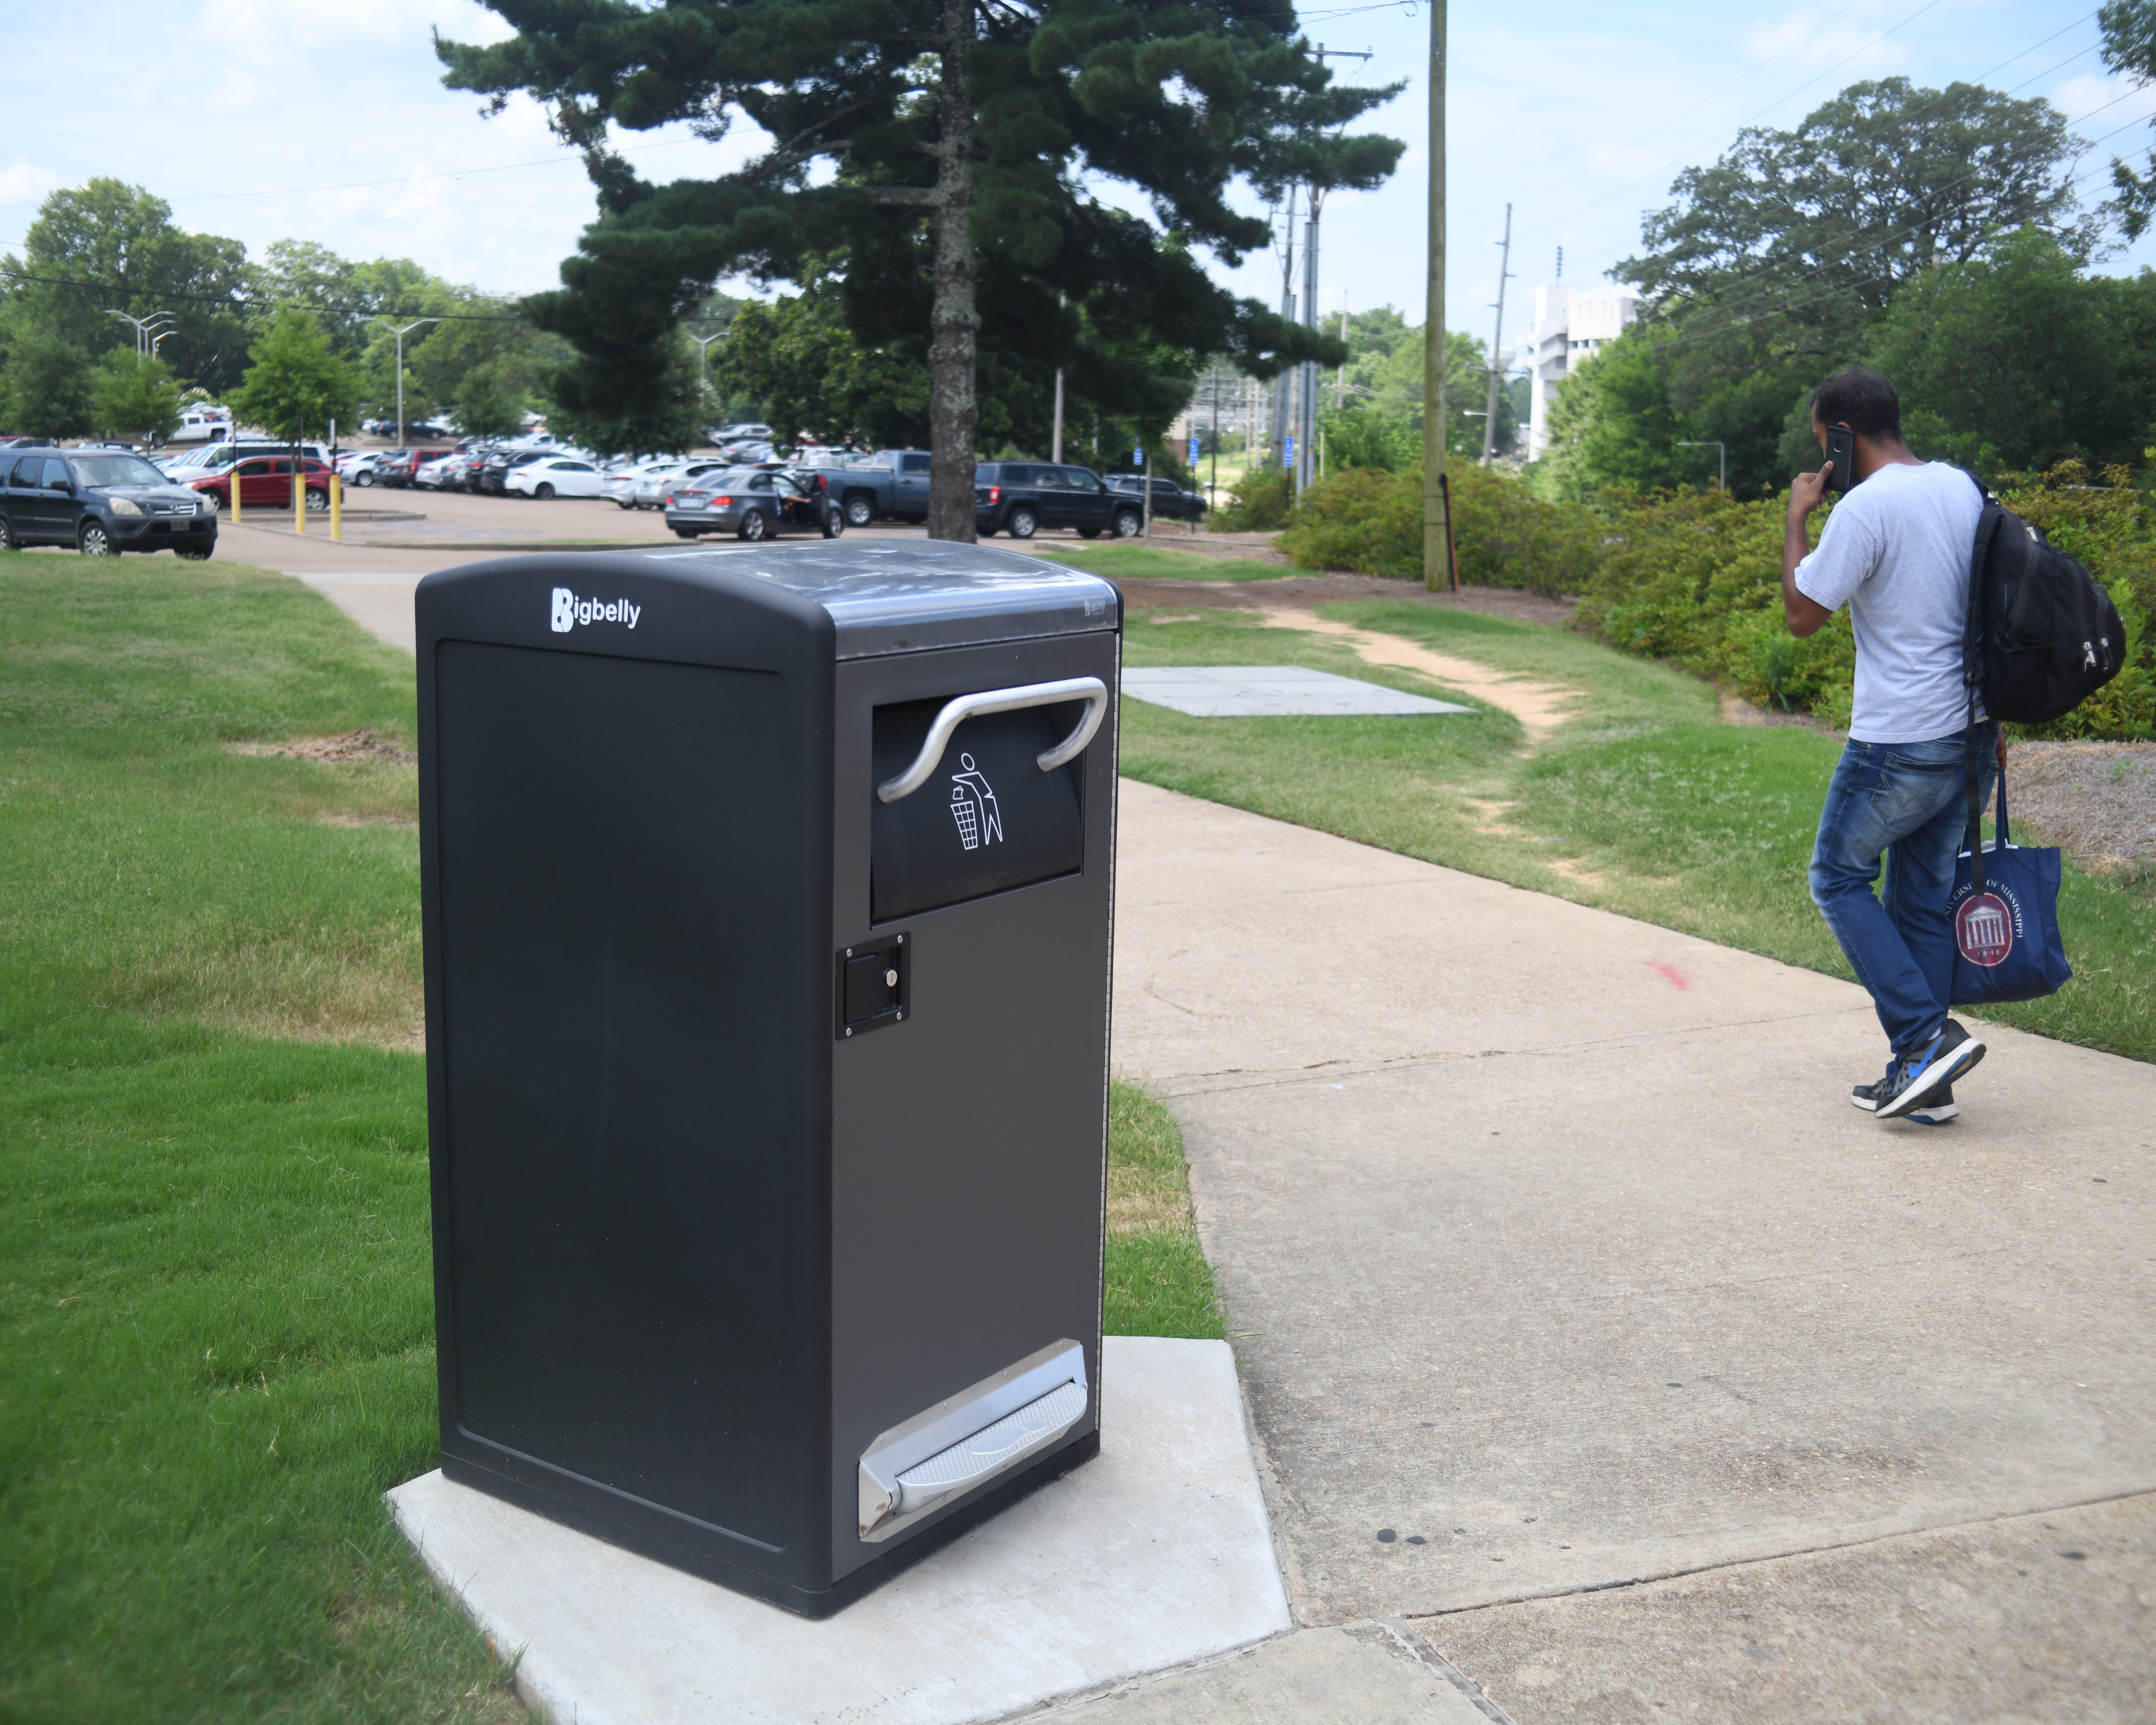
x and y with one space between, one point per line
1897 549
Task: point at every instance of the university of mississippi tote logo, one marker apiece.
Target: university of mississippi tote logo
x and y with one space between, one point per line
1984 929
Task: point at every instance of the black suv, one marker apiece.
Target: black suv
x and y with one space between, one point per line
1021 498
1170 501
101 503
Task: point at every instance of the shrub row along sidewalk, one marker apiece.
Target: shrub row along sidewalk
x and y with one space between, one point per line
1695 578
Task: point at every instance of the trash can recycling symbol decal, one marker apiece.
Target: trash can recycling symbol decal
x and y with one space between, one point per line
973 807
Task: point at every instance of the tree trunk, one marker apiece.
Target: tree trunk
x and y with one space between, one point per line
955 323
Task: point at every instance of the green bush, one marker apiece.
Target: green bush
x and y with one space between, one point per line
1370 521
1695 578
1257 503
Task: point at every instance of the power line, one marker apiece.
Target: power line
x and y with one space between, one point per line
245 301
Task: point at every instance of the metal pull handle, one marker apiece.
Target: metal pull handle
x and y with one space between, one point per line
1090 690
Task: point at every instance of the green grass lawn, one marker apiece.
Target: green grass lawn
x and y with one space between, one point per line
218 1292
1142 561
1643 802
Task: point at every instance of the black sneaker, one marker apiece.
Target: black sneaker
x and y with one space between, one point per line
1868 1097
1919 1078
1938 1111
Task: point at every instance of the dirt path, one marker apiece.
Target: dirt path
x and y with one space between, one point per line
1540 707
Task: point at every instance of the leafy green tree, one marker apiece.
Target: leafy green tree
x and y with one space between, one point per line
946 148
44 390
1387 378
796 357
2016 361
1767 269
672 416
108 245
2129 46
490 403
134 397
1612 425
295 383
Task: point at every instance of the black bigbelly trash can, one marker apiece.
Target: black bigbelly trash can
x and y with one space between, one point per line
767 899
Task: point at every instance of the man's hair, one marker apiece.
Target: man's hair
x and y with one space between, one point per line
1863 400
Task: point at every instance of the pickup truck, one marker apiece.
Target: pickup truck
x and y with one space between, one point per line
891 483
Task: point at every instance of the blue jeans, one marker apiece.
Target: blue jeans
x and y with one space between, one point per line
1911 801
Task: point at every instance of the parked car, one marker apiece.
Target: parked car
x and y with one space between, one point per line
1022 498
557 475
494 473
201 425
265 482
619 485
721 436
227 450
754 503
651 490
357 467
889 483
101 503
1170 501
434 473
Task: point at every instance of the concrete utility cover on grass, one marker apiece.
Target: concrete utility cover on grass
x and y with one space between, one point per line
1154 1554
1268 691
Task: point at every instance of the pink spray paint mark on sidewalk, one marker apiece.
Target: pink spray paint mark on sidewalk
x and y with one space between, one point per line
1670 973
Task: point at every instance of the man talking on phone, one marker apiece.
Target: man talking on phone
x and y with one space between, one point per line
1895 551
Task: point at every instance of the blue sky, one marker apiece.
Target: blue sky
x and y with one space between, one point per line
325 120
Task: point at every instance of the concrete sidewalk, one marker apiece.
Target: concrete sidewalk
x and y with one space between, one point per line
1556 1260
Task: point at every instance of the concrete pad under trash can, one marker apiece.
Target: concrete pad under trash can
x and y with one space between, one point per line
1270 691
1155 1554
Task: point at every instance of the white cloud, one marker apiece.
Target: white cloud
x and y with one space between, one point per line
1798 41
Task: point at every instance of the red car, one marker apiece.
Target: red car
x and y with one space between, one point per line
265 482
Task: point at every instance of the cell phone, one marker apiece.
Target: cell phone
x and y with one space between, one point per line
1841 450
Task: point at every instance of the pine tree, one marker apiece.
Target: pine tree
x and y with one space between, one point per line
939 152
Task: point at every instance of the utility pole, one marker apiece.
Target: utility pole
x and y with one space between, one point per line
1436 565
1340 381
1306 460
1281 388
400 336
1497 343
1306 418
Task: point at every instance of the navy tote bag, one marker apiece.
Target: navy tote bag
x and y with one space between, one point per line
2006 914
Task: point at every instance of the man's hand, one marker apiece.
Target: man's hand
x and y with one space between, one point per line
1805 616
1807 491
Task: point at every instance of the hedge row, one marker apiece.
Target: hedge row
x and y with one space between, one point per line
1695 578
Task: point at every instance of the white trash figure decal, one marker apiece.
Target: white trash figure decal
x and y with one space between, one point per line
973 807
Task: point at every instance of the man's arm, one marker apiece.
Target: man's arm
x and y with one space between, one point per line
1805 616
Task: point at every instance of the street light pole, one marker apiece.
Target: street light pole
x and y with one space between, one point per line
1720 449
400 335
158 321
703 372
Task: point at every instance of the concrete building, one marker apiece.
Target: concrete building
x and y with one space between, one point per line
1571 325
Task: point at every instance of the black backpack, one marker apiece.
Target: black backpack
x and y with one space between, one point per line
2043 635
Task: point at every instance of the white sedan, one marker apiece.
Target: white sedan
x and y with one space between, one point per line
429 475
557 477
652 490
620 485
